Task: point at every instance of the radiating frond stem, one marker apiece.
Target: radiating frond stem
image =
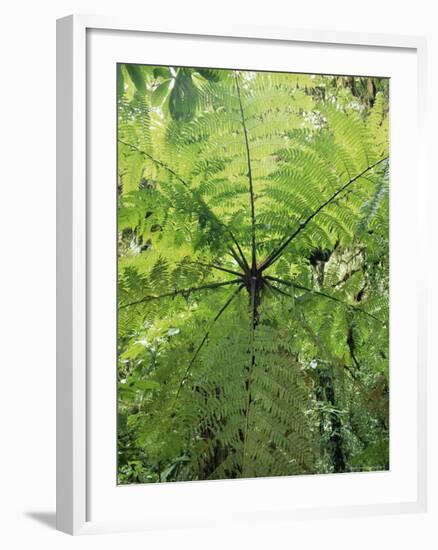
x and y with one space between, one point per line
204 339
276 289
186 185
335 361
251 187
325 352
275 255
220 268
156 161
242 255
237 258
184 291
323 294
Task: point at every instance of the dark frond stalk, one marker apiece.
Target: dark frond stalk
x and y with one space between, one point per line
237 258
194 194
251 187
155 161
220 268
276 289
247 269
276 254
204 339
323 294
184 291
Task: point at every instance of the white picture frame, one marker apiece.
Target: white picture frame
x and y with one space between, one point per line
76 454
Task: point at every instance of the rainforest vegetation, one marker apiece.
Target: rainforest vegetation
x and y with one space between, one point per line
253 274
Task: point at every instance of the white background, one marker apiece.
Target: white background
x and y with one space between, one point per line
27 218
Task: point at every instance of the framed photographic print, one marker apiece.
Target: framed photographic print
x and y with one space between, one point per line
240 333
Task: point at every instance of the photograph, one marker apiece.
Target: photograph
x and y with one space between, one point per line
219 280
253 273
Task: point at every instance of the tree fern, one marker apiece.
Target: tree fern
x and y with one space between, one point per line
253 274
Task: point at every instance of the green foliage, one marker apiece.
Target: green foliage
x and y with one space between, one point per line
253 265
